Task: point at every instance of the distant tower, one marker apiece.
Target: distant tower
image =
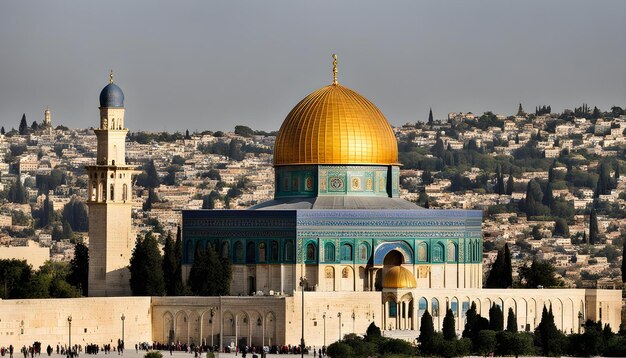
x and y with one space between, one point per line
110 201
47 117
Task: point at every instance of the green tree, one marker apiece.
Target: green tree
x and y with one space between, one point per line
179 287
149 178
533 204
499 189
373 333
427 177
244 131
449 330
507 272
548 196
207 277
511 321
17 194
494 280
75 213
593 227
146 270
14 278
79 268
169 266
23 128
339 350
470 317
430 117
496 318
485 342
539 273
560 228
549 336
427 332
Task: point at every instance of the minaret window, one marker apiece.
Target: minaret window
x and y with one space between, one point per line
94 186
102 192
262 252
329 252
112 192
124 192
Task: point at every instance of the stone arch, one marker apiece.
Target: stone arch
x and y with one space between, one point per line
311 252
270 329
102 192
256 328
168 327
329 278
194 327
510 303
210 326
239 252
384 248
346 253
362 279
347 279
466 304
393 258
242 328
559 314
262 251
181 329
364 252
228 322
435 309
532 314
93 191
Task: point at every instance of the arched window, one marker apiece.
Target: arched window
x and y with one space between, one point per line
124 192
112 192
94 188
274 251
434 307
262 252
310 252
363 254
103 192
422 305
289 250
438 252
393 309
250 253
452 252
346 252
225 250
454 306
422 251
239 251
329 252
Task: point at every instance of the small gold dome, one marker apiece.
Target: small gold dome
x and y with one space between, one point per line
399 277
335 125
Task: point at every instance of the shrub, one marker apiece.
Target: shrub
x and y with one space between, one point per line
153 354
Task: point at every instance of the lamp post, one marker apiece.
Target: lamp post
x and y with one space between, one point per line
302 284
122 343
211 322
324 317
580 321
339 315
69 343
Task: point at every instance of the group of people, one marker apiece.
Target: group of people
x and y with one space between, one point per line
7 350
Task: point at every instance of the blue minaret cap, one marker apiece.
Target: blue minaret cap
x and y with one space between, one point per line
111 95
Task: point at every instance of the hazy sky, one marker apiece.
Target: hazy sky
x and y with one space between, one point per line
210 65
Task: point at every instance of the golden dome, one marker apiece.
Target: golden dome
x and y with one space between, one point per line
399 277
335 125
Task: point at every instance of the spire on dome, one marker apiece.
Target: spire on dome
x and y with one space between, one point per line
335 82
111 76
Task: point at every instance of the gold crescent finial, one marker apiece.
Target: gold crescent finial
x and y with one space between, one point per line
111 77
335 82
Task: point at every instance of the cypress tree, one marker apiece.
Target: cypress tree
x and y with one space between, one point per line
146 271
497 271
507 272
209 275
179 287
169 266
551 172
427 332
23 128
470 317
511 321
449 330
499 181
79 268
509 185
2 131
496 318
593 227
616 172
430 117
548 196
623 262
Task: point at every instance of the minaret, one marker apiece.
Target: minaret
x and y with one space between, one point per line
110 201
47 117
